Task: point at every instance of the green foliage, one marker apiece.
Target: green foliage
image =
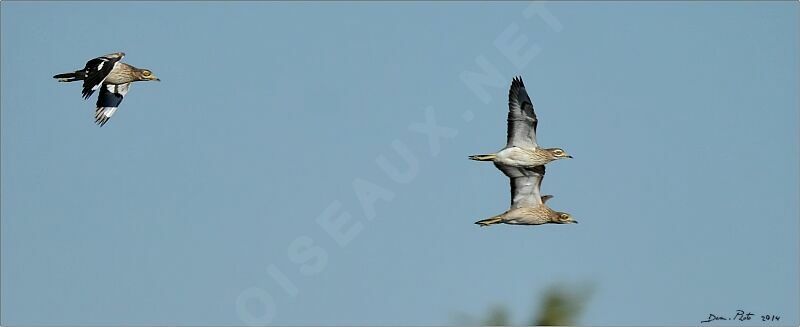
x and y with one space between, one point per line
498 316
559 305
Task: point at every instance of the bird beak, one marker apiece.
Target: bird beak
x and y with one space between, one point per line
569 156
574 221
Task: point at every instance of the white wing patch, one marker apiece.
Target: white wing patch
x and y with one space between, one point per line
122 89
94 88
109 111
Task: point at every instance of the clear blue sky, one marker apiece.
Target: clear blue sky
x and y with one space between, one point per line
183 209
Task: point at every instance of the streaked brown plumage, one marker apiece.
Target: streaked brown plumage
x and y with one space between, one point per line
523 157
541 214
124 73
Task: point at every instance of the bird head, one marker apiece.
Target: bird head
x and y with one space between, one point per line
146 75
558 153
564 218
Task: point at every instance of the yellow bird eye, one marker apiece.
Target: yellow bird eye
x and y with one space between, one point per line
146 73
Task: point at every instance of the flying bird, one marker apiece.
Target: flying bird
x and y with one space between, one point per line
112 77
521 149
527 204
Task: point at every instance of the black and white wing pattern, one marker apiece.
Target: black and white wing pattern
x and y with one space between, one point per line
97 70
521 117
526 190
107 102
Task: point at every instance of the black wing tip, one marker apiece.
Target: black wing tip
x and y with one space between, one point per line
517 81
100 118
516 85
100 121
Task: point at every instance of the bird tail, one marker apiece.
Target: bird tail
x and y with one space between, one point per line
490 221
71 77
482 157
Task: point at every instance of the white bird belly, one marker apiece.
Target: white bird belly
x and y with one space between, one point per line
516 157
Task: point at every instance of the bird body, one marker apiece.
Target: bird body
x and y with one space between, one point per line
540 214
520 157
122 73
111 77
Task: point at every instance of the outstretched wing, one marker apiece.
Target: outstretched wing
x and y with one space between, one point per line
97 70
526 190
521 117
107 102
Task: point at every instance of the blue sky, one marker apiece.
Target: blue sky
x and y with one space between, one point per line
283 171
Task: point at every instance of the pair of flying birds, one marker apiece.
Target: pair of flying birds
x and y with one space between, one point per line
523 161
112 77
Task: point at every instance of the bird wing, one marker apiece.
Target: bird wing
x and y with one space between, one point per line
526 190
96 71
511 171
521 117
107 102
